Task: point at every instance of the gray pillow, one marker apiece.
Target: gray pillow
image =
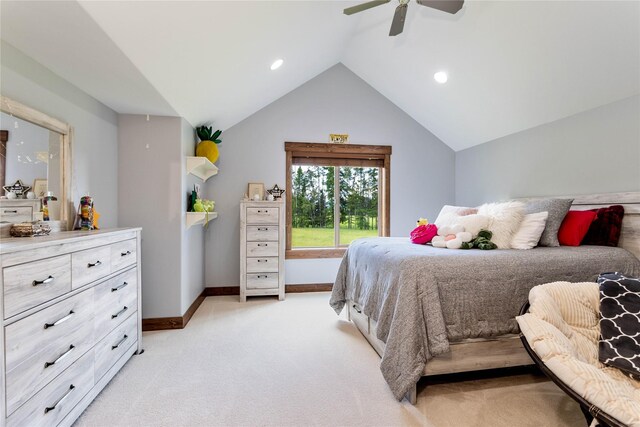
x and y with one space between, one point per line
557 209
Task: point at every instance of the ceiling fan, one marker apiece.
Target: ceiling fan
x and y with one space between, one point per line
449 6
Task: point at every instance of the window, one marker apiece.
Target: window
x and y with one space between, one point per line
318 175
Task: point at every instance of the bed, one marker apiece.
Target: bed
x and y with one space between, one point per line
430 311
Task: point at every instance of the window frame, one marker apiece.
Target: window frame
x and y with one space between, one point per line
350 154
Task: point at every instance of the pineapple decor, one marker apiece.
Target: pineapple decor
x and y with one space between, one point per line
208 145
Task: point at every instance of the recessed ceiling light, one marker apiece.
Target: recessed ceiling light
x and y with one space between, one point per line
276 64
441 77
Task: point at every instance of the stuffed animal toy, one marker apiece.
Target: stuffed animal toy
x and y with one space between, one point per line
483 241
451 237
423 234
422 221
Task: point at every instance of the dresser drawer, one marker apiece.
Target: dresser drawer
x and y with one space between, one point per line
262 265
262 249
16 214
115 300
115 345
262 281
123 254
262 233
90 265
47 362
31 284
51 404
262 215
28 336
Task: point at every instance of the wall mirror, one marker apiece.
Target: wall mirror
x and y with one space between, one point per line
35 166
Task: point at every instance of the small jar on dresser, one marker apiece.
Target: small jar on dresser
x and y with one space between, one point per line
262 247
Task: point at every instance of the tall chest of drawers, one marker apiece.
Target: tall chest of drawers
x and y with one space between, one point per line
262 247
71 319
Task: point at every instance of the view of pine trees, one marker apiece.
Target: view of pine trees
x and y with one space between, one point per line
313 202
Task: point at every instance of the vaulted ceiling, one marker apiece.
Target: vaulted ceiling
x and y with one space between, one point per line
512 65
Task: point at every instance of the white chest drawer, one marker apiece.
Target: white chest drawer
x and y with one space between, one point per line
43 345
90 265
262 249
115 300
16 214
266 215
115 345
51 404
262 280
262 233
29 285
123 254
262 264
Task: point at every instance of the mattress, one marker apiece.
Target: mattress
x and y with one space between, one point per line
423 298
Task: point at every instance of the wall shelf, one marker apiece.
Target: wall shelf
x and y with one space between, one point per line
194 218
201 167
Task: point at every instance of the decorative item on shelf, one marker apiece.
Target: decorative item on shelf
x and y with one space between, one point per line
256 191
276 192
49 197
87 218
206 206
40 187
208 145
30 229
11 195
339 138
18 188
191 199
31 195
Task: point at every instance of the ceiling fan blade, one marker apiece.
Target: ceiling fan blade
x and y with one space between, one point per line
449 6
398 20
364 6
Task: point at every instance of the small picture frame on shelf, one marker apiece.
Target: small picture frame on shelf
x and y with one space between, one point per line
40 186
256 191
339 138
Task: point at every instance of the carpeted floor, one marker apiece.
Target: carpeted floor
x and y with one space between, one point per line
295 363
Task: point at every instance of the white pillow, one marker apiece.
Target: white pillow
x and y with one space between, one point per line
471 223
448 210
528 235
504 221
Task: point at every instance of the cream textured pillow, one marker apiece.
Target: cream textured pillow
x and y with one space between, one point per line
531 228
504 221
448 210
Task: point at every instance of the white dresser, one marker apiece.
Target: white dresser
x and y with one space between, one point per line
71 320
262 247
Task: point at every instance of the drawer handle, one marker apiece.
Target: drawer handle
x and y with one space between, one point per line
113 347
117 288
43 282
118 314
62 356
263 260
262 244
94 264
59 321
62 399
262 276
263 211
356 309
125 253
11 211
263 229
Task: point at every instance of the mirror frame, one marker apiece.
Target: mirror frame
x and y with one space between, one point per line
21 111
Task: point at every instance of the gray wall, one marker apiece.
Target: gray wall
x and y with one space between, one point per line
192 238
95 137
597 151
336 101
149 196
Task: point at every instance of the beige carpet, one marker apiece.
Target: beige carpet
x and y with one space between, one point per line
295 363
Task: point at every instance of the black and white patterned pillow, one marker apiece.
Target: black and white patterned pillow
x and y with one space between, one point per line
620 323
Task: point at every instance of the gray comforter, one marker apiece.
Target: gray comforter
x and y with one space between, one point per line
423 297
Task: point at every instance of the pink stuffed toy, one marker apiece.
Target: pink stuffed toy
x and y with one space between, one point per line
423 234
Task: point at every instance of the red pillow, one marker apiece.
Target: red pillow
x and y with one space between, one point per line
605 228
574 227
